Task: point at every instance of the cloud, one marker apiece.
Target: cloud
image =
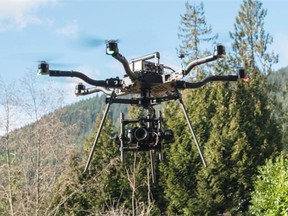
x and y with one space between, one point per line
18 14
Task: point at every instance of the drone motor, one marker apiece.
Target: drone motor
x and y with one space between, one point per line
43 68
112 47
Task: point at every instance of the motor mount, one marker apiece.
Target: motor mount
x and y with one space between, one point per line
43 68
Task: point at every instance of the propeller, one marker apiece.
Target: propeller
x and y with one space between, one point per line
55 64
93 42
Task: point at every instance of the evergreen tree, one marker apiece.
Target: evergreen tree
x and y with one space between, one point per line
182 158
243 132
193 31
182 162
251 41
278 80
234 122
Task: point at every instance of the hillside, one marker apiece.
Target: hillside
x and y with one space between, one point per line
84 113
279 79
38 156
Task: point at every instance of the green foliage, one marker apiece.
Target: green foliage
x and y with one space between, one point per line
183 161
250 39
178 171
100 188
235 124
109 187
279 80
241 128
84 113
270 196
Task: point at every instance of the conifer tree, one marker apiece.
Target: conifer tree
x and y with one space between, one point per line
234 122
193 31
251 41
182 159
243 131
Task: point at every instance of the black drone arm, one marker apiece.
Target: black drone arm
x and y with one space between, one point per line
108 83
43 69
57 73
125 64
182 84
112 49
219 52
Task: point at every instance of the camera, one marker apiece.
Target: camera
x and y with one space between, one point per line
146 135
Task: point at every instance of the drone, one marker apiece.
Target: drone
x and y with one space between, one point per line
152 83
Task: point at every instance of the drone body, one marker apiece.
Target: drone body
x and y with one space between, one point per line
154 83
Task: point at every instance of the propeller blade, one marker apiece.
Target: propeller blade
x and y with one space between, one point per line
55 64
93 42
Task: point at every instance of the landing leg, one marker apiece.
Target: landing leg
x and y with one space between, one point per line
99 131
192 131
152 162
122 137
160 129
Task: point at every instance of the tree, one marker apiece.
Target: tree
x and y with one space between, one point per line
234 122
279 80
35 153
43 147
8 168
251 41
93 192
270 196
243 131
179 168
110 187
182 159
193 31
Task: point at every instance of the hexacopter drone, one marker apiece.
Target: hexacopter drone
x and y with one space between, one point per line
154 83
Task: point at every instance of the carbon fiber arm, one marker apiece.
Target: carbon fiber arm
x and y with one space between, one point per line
183 85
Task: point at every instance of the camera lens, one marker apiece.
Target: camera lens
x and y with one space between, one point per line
141 134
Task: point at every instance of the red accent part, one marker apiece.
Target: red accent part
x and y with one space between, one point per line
245 79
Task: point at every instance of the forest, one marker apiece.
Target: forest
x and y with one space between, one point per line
242 129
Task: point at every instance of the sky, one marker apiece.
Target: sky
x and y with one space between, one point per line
59 32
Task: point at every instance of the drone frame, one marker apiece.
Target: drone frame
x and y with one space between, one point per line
143 83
